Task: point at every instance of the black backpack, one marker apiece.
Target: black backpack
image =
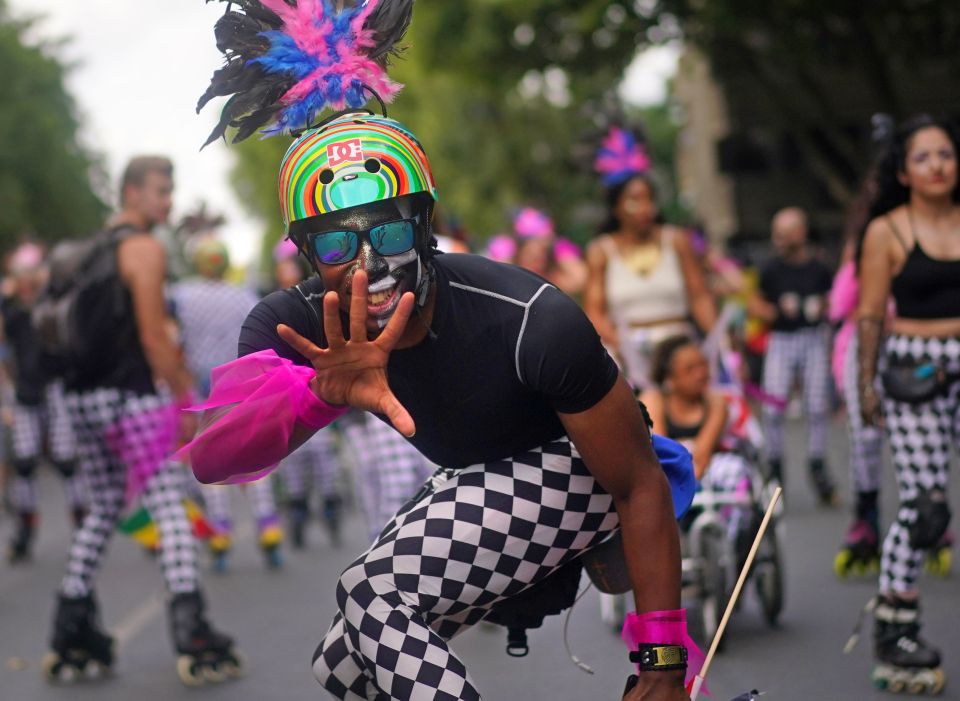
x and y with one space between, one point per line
82 306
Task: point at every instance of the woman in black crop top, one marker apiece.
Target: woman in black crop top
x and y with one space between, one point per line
681 405
911 249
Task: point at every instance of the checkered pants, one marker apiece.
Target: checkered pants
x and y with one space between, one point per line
31 424
866 442
805 354
92 413
921 438
263 505
389 469
468 540
316 462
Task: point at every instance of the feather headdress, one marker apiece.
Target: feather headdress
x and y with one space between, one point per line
288 60
620 157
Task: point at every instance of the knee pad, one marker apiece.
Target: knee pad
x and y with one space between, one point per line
933 517
24 467
67 468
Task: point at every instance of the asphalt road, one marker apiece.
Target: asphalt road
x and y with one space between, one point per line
278 617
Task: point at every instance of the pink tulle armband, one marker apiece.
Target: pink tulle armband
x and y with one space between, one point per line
255 404
666 628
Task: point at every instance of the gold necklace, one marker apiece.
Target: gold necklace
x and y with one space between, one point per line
643 259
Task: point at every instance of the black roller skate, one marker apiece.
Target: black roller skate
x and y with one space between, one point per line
905 662
299 515
79 649
332 516
860 553
940 557
203 653
822 483
20 544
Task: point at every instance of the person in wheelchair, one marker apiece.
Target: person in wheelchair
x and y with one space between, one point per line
684 406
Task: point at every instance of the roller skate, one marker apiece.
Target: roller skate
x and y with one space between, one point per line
203 653
19 549
822 483
80 649
939 559
860 553
332 515
299 515
905 662
270 538
219 544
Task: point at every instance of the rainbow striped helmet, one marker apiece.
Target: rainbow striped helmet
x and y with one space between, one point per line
354 159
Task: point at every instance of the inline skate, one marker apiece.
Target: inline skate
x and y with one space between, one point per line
905 662
80 648
203 653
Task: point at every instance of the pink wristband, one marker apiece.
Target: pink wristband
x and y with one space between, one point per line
663 627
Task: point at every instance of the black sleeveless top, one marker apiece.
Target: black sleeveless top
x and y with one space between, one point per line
682 432
926 288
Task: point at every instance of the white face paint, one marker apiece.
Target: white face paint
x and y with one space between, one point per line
403 273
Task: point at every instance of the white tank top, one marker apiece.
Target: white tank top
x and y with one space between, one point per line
660 295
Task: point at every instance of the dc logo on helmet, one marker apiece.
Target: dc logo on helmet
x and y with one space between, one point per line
350 150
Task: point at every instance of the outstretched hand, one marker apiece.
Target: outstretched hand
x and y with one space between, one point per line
354 371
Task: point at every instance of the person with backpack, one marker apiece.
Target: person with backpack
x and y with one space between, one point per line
125 379
491 372
39 414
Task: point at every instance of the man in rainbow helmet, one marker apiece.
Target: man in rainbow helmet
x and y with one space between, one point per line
490 372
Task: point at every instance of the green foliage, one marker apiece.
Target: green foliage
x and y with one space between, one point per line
45 174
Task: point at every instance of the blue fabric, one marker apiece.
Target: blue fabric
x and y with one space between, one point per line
677 464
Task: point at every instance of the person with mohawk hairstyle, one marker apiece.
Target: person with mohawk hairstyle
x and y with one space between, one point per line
489 371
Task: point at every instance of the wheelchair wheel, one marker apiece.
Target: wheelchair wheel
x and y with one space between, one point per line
768 577
714 583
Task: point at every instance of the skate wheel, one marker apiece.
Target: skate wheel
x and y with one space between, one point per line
212 673
841 563
235 665
187 670
939 562
896 686
57 670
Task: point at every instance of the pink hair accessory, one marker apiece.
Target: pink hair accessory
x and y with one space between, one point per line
667 628
284 250
28 256
565 249
502 248
256 402
531 223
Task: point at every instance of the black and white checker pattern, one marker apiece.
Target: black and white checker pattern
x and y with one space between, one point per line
803 354
866 442
389 470
314 464
216 500
486 533
93 414
922 437
31 425
210 313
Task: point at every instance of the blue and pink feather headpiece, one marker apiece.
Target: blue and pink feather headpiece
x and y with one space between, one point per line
289 60
621 156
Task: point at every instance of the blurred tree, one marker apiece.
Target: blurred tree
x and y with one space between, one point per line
510 100
813 71
45 174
